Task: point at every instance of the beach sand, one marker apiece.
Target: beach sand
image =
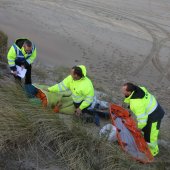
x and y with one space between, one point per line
118 40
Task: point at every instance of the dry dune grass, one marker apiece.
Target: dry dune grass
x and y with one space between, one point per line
3 45
31 137
24 125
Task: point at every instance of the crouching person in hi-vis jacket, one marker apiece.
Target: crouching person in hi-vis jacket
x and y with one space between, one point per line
22 53
147 111
80 86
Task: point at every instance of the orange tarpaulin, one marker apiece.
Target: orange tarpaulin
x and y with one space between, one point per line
129 136
42 97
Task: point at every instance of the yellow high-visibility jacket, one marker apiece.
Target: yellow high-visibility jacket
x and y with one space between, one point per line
142 107
82 90
19 54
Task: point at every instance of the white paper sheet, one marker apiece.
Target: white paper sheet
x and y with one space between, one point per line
21 71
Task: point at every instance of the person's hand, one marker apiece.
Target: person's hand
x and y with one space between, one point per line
57 107
22 66
14 73
125 106
78 112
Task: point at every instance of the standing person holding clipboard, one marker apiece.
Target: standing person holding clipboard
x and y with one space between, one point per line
22 53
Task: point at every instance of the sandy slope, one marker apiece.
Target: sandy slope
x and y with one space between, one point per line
118 40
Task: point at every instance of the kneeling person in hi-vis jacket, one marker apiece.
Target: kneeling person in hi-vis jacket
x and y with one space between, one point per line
147 111
80 86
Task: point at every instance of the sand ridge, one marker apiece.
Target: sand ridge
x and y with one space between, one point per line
117 40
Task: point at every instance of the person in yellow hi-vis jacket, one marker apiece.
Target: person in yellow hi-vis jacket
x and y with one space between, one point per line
80 86
148 112
22 53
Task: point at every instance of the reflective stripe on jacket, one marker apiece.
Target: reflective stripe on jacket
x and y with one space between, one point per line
82 90
16 53
142 107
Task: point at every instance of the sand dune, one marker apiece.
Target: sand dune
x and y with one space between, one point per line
118 40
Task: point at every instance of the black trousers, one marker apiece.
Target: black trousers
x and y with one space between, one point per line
28 73
156 116
85 110
87 115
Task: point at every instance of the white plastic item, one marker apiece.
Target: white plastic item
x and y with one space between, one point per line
109 131
101 104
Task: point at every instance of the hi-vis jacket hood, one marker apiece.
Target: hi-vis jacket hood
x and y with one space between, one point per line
82 90
84 71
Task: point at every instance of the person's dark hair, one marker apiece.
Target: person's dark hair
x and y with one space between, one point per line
78 71
28 43
130 87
